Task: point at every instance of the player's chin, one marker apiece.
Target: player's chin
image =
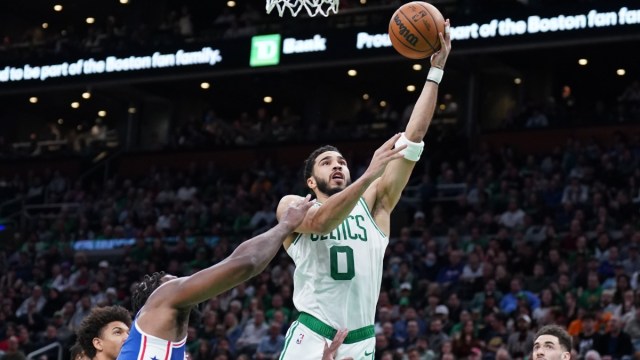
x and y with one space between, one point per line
336 189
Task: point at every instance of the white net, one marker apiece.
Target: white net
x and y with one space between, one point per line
314 7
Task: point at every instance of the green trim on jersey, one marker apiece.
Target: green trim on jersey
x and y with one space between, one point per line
296 239
366 210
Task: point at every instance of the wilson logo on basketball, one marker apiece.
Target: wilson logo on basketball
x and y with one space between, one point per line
404 32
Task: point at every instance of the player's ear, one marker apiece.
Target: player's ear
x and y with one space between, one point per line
311 182
566 355
97 343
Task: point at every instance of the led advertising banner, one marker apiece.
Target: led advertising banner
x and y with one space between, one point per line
110 64
537 25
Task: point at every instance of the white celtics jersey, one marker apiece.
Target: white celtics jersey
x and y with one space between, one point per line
338 275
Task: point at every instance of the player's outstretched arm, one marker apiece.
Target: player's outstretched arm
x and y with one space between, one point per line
248 260
323 219
425 105
395 178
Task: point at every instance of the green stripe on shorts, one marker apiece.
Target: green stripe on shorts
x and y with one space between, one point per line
294 325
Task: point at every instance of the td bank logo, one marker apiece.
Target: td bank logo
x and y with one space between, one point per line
265 50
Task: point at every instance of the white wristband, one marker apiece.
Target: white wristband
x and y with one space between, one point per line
435 75
413 150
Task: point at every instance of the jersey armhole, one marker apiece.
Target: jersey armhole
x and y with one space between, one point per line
368 212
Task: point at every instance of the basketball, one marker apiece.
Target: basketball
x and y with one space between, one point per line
414 29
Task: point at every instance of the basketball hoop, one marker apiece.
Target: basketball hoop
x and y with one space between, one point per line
314 7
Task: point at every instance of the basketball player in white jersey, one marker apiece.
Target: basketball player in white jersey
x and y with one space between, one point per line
339 247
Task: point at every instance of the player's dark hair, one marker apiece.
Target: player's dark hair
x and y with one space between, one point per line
93 325
554 330
144 289
311 160
75 350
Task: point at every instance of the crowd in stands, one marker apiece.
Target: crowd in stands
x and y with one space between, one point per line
264 127
530 240
565 110
270 125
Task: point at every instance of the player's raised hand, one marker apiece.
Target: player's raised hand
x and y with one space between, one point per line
440 57
295 212
330 350
381 158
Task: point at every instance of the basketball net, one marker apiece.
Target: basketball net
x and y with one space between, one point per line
314 7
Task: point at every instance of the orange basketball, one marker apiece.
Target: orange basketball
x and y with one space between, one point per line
414 29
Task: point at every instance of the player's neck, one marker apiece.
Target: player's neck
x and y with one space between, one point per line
321 198
102 356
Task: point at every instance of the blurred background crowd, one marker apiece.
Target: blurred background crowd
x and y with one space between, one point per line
490 241
492 245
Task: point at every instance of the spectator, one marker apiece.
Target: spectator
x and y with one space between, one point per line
632 327
538 281
187 191
521 342
615 343
383 344
253 333
32 318
543 314
502 354
277 304
25 339
13 351
575 192
509 302
62 331
588 337
401 325
466 340
442 313
437 338
50 336
446 350
590 297
472 270
83 308
513 217
537 119
632 262
271 344
97 295
264 218
35 302
494 335
451 272
412 335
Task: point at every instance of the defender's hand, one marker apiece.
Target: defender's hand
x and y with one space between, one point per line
330 351
296 212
